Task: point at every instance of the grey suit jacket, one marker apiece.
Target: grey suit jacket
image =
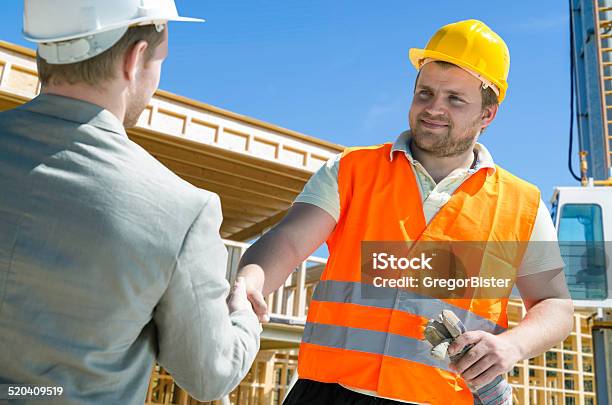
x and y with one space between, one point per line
108 261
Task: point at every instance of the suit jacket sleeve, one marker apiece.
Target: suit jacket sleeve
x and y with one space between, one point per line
207 350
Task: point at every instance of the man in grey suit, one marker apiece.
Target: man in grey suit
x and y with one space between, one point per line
108 261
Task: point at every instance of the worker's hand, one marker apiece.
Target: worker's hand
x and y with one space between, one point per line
253 277
491 356
255 296
237 299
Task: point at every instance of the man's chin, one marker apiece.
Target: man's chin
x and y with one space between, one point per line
131 117
130 123
426 140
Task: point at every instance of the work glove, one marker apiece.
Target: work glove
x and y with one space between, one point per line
440 333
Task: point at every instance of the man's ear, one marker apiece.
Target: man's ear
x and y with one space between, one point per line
133 60
488 114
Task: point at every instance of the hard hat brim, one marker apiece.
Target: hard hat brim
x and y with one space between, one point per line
188 19
416 55
138 21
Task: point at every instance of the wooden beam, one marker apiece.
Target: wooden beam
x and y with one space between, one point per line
236 223
225 234
248 196
10 100
229 230
230 181
204 161
232 115
245 207
198 170
240 215
143 135
257 228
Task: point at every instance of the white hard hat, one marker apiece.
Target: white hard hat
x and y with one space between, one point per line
69 31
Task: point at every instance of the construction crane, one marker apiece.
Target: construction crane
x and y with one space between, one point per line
583 214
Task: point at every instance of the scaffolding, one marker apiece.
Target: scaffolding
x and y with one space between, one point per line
562 375
591 42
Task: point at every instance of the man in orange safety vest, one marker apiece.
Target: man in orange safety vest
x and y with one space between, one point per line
435 182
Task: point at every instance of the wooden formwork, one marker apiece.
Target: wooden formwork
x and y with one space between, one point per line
265 384
562 375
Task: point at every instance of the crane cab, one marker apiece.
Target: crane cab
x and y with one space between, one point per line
583 218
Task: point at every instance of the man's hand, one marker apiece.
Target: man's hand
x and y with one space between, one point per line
252 278
280 250
491 356
237 299
256 298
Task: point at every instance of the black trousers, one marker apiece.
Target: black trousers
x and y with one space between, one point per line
308 392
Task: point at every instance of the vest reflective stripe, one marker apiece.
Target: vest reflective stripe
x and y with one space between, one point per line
405 301
369 341
406 380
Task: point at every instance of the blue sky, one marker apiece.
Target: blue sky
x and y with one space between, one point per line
338 69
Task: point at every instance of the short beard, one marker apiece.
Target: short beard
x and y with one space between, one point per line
442 145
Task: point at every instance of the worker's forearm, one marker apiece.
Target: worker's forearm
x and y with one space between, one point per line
546 324
270 261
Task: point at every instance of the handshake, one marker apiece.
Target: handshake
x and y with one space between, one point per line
247 294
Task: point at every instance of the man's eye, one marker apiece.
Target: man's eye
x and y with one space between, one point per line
456 100
424 94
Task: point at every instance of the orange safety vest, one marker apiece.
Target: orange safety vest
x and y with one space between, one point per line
378 345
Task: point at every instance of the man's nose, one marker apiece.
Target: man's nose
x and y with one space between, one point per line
436 106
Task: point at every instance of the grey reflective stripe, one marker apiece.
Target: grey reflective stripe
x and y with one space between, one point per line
400 300
371 341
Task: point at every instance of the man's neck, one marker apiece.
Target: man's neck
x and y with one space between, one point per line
440 167
101 95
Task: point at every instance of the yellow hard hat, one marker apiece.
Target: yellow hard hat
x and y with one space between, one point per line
472 45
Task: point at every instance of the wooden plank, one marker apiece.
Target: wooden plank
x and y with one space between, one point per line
237 169
334 148
250 196
190 172
577 359
199 171
226 233
283 376
145 136
245 206
241 215
232 224
267 397
300 308
257 228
